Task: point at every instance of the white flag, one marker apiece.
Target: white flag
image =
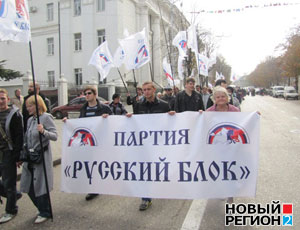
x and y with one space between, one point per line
168 72
136 50
202 64
181 43
222 76
217 76
192 39
102 60
233 77
212 61
119 57
181 67
14 21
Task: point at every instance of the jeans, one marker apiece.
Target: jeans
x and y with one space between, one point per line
8 187
40 202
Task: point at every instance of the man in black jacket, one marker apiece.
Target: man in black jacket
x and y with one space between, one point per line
134 100
92 108
188 99
169 97
150 104
11 143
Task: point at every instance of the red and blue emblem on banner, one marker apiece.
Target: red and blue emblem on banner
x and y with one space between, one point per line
227 133
82 137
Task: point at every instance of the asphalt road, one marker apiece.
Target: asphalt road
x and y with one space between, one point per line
277 180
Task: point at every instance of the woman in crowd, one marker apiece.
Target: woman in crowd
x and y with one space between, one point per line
116 106
33 179
221 100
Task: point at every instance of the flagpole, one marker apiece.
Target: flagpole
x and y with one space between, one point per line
135 83
40 135
122 80
169 52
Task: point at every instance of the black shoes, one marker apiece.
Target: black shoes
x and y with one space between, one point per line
91 196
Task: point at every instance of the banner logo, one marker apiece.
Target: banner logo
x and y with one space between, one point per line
21 9
143 53
82 137
3 8
183 44
227 133
202 64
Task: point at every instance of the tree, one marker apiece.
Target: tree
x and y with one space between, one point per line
8 74
290 60
267 73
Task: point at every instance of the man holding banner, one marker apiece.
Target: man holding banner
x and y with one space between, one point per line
150 104
93 108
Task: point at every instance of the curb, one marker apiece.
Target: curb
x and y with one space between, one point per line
55 163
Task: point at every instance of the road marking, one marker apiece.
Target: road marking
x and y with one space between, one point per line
295 131
194 216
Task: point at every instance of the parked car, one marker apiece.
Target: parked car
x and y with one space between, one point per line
290 92
278 91
73 106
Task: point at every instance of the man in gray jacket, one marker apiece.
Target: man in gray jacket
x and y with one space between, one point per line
11 143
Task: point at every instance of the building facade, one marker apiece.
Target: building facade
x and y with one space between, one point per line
79 26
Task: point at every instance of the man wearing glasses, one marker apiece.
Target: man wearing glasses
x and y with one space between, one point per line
169 97
92 108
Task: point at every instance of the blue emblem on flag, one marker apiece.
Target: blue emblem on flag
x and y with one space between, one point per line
3 8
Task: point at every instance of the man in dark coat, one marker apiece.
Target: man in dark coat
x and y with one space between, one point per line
150 104
169 97
11 143
92 108
134 100
188 99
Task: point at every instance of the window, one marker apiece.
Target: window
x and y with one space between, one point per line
77 7
51 78
50 44
101 36
77 38
100 5
50 8
78 76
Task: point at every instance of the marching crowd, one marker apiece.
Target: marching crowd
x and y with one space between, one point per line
26 132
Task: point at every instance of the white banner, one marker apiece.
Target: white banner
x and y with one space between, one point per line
185 156
14 21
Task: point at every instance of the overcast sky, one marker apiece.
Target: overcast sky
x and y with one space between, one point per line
245 38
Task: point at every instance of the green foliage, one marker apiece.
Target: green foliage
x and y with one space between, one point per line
8 74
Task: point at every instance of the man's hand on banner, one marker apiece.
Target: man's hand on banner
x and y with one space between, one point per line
171 113
105 115
64 119
129 114
200 111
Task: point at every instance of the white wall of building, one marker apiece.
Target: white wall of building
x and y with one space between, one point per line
133 15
